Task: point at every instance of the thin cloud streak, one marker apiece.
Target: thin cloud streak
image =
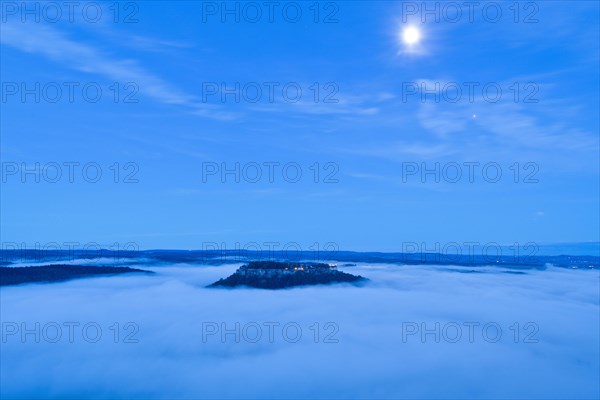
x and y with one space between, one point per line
59 48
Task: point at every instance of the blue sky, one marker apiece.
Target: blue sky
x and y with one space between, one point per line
168 58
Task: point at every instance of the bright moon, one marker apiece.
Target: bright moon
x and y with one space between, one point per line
411 35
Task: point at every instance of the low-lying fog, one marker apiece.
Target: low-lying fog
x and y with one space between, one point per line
412 331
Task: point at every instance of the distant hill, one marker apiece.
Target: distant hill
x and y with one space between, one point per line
57 273
280 275
471 258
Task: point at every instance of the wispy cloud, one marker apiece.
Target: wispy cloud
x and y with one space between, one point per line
49 42
477 127
402 150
